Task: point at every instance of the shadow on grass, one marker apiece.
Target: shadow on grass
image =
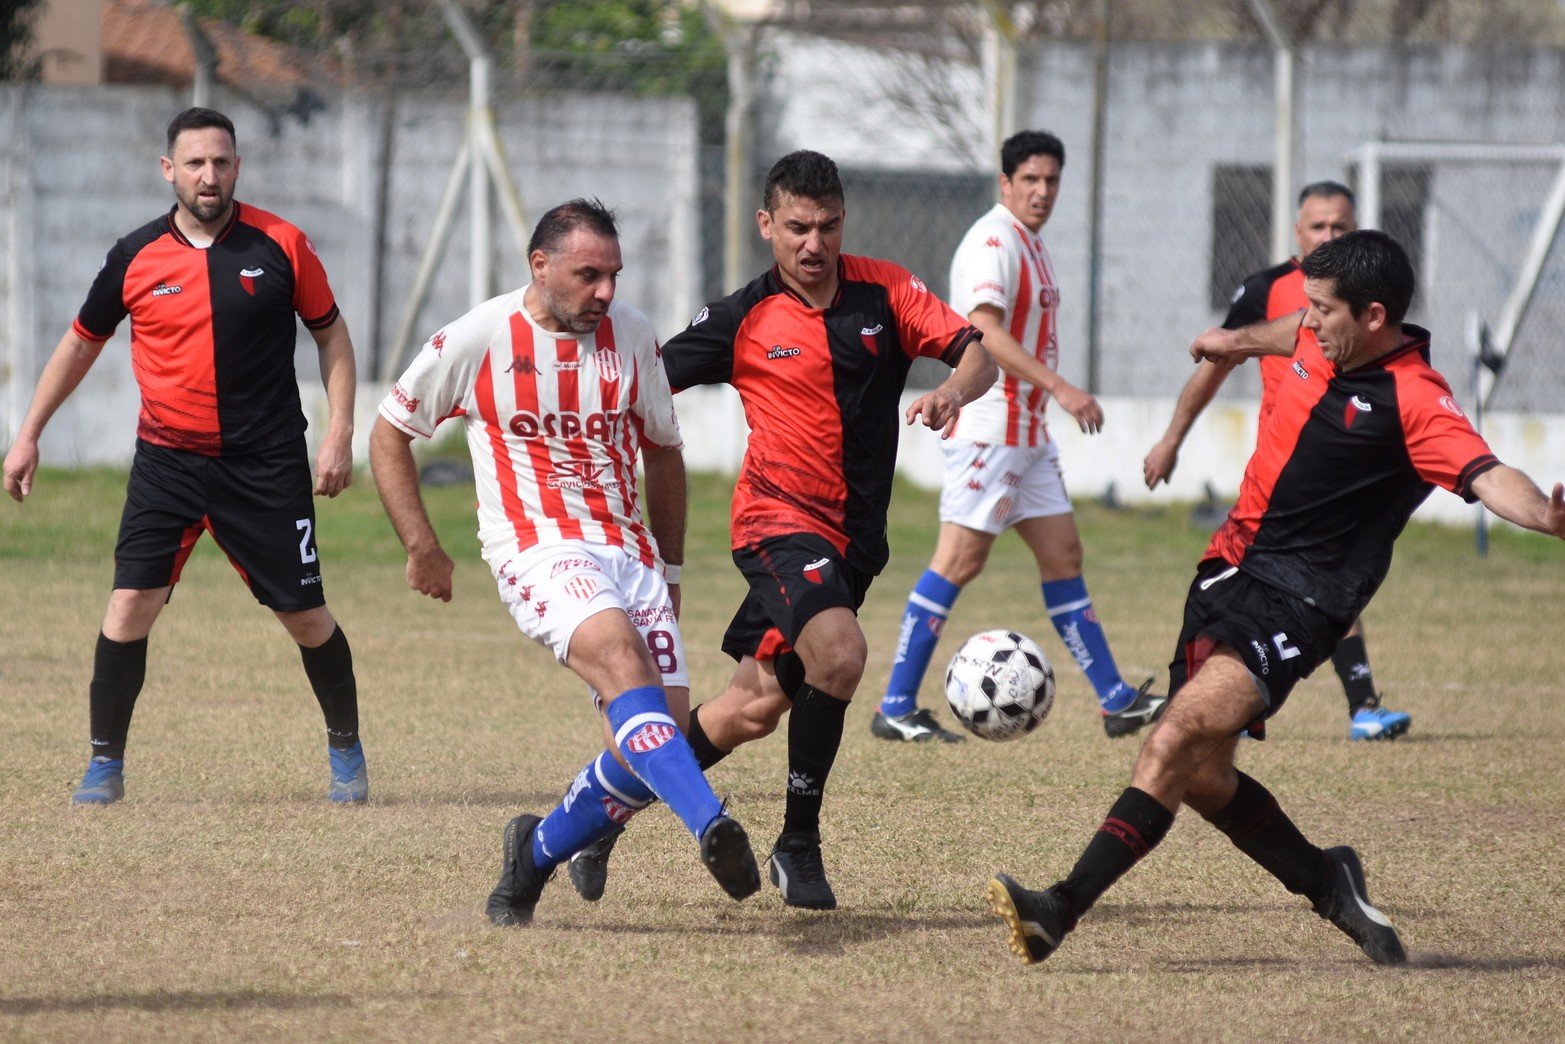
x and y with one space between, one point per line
1445 961
816 934
178 1001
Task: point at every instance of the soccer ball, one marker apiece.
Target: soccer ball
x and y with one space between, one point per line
1000 685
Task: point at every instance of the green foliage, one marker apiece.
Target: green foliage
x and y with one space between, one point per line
16 31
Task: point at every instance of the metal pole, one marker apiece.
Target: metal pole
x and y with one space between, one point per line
1369 186
1100 89
1284 137
739 42
1000 54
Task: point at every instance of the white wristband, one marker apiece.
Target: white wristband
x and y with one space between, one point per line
671 573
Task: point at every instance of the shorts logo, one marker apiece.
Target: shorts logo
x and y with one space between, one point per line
1002 510
1284 646
608 363
247 278
650 737
163 290
581 588
1012 479
1299 369
975 485
777 351
573 563
1261 657
540 609
813 571
617 811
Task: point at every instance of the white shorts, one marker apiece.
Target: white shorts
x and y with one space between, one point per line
550 589
991 488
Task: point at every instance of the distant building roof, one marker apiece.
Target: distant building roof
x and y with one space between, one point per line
144 41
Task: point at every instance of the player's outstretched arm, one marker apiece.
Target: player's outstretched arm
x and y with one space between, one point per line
72 358
334 462
1009 356
667 504
396 479
975 373
1196 395
1231 347
1516 498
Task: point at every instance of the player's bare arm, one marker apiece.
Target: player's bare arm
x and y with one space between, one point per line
334 462
396 479
975 373
1009 356
1513 496
1229 348
667 499
1196 395
72 358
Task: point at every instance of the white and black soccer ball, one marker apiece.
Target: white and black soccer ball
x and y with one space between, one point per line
1000 685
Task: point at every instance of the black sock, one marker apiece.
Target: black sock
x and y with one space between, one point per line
1134 826
814 734
1351 660
706 752
118 669
1259 828
329 667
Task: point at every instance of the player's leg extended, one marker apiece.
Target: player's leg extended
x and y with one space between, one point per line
1056 544
1211 709
1367 719
960 555
119 668
328 663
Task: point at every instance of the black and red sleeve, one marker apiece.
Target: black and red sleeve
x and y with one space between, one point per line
104 309
703 352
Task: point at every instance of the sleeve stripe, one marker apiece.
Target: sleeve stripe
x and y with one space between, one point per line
399 423
86 334
953 353
1474 468
324 321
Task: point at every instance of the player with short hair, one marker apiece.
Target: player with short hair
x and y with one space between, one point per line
1002 470
559 388
212 289
1326 211
1361 431
819 349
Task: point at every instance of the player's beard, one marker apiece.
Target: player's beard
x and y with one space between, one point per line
573 320
202 210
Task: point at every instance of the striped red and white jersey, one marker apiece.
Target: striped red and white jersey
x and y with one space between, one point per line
554 422
1000 262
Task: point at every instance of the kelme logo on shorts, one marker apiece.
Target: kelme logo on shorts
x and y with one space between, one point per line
650 737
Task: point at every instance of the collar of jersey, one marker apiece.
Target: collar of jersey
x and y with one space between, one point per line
233 219
775 274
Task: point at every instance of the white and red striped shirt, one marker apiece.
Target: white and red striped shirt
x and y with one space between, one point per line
554 422
1000 262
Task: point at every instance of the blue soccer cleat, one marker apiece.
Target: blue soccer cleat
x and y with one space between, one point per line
350 781
103 784
1378 723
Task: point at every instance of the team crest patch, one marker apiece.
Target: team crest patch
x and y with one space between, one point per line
618 812
608 363
651 736
814 571
247 278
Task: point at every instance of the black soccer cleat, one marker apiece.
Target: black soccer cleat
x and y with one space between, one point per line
917 726
1146 708
521 883
726 851
796 869
1038 920
589 868
1346 905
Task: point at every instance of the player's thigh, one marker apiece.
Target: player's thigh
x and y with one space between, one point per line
165 505
1055 544
606 651
960 552
792 580
261 512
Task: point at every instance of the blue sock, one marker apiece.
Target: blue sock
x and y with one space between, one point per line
660 754
1070 609
922 621
604 795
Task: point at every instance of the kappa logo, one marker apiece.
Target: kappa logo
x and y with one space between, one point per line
813 571
651 736
541 608
522 364
438 342
1299 369
993 241
777 351
163 290
975 485
247 278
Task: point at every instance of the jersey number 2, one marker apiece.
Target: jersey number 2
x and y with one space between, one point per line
306 540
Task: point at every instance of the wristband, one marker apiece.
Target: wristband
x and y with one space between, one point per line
671 572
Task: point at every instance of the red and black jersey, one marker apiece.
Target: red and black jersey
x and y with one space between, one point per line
821 390
212 329
1344 462
1265 296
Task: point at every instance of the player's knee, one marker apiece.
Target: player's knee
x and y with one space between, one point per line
964 569
838 666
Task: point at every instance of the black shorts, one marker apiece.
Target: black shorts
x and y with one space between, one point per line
792 580
257 506
1280 638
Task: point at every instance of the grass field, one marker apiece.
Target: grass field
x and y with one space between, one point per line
225 898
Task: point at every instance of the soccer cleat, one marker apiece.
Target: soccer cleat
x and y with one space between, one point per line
350 781
521 883
1346 905
1038 920
102 784
918 726
726 851
796 868
589 868
1378 723
1143 710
